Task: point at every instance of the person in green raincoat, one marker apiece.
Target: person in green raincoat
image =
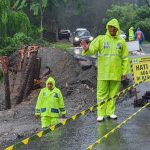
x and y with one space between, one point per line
131 34
113 66
50 104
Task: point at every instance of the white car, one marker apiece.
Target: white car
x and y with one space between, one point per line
81 34
81 29
123 35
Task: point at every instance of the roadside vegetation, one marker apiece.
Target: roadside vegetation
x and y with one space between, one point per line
24 22
59 45
129 15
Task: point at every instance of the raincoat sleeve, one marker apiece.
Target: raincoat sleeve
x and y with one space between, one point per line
38 104
61 104
93 47
125 60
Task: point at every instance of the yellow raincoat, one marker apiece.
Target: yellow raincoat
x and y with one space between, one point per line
113 62
50 104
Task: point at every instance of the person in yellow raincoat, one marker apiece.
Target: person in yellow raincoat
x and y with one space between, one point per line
131 34
113 66
50 104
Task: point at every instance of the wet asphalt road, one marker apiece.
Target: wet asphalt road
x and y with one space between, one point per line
77 135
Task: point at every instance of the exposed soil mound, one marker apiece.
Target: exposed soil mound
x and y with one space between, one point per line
77 86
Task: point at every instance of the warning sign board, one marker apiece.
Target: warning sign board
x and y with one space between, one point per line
141 69
133 46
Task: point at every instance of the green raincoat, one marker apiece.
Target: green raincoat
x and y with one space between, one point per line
113 57
113 62
50 102
131 34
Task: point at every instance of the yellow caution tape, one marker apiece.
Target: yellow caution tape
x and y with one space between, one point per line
91 146
40 134
64 122
83 112
52 128
74 117
25 141
10 147
91 108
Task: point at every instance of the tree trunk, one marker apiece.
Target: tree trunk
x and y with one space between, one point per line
37 68
30 81
19 98
148 3
28 78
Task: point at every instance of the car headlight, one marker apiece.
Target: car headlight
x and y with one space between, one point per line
77 51
76 39
91 38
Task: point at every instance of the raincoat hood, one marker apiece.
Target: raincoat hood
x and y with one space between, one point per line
114 23
131 28
50 80
138 29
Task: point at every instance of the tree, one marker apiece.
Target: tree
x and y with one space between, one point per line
12 21
148 3
131 16
143 20
125 14
4 10
36 6
39 7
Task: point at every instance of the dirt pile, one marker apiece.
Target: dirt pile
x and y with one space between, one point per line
77 86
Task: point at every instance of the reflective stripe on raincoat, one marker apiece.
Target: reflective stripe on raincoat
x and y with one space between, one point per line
50 102
113 57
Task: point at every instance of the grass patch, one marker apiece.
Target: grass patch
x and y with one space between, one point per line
59 45
146 42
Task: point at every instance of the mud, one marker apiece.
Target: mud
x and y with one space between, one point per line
77 85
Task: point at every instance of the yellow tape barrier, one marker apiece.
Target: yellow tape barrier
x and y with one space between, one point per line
54 127
90 147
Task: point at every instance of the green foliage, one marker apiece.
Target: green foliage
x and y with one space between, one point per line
143 20
143 13
125 15
16 4
20 38
37 5
19 4
35 8
145 27
35 34
129 15
63 46
12 22
4 9
9 45
44 3
18 22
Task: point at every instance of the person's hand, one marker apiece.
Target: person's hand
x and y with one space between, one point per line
84 45
37 116
124 77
